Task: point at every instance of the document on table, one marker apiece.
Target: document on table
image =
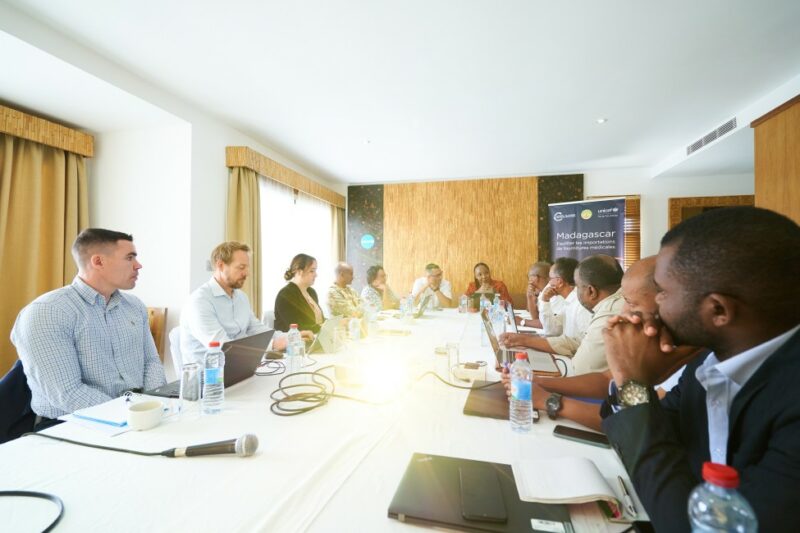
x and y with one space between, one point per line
110 417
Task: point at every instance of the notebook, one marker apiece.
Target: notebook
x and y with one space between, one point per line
542 363
242 357
564 480
430 494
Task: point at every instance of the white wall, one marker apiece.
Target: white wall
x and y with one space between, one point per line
138 185
166 185
655 192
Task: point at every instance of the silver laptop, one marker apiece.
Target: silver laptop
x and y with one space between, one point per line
422 305
542 363
510 313
325 341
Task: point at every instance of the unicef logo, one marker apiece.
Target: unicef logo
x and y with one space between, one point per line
558 217
586 214
367 241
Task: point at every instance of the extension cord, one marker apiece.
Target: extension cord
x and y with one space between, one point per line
349 376
469 374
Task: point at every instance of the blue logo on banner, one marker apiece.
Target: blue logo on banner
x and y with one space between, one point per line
367 241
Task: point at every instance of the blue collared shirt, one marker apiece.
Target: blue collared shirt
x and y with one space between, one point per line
212 315
79 351
723 380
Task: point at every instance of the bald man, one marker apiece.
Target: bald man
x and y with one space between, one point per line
639 293
597 284
342 299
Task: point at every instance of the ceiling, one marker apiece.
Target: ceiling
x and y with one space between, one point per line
731 155
93 104
361 91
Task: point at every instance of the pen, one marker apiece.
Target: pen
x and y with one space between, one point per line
627 496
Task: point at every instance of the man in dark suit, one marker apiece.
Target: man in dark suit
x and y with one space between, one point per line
740 405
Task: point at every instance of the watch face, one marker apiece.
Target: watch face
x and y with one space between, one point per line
553 404
633 393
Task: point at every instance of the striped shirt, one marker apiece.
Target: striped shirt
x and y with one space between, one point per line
79 351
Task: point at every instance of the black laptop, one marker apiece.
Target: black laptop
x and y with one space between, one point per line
242 357
432 493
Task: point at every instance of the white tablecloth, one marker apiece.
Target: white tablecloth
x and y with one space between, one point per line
333 469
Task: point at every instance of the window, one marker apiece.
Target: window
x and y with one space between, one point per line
292 223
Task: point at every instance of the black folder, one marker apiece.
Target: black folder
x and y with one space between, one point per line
430 494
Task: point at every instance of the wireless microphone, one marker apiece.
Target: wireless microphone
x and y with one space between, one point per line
244 446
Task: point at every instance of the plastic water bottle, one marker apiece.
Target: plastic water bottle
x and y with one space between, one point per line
354 329
213 379
496 303
403 307
293 354
463 304
484 303
716 506
498 318
521 405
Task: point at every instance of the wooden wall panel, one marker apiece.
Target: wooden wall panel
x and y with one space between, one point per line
457 224
777 161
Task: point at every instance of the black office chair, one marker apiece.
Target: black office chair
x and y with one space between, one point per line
16 417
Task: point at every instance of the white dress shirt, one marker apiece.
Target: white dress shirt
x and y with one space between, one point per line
550 315
433 303
212 315
565 317
723 380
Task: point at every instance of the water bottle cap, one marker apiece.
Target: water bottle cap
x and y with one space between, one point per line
520 355
292 326
213 344
720 475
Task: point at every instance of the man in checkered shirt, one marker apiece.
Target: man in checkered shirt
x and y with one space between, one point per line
86 343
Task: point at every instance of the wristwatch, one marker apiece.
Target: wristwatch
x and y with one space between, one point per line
553 404
522 322
633 393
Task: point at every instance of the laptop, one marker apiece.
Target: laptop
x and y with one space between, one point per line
487 400
325 341
242 357
430 494
542 363
422 305
510 313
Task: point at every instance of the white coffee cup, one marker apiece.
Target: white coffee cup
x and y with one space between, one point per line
145 415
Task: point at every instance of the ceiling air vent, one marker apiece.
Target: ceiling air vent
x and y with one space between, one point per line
711 136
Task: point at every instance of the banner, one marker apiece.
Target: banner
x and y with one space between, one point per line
581 229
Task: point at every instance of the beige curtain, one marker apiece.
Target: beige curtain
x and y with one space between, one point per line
243 224
43 206
338 234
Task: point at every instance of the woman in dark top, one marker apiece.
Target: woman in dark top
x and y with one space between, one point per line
297 302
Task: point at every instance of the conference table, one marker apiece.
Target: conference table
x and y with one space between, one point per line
334 468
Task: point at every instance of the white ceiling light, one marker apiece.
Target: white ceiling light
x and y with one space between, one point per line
601 120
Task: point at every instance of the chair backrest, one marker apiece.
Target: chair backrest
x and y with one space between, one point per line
268 318
175 350
158 323
16 415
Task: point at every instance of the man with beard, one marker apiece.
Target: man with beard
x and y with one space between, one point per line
219 310
740 405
